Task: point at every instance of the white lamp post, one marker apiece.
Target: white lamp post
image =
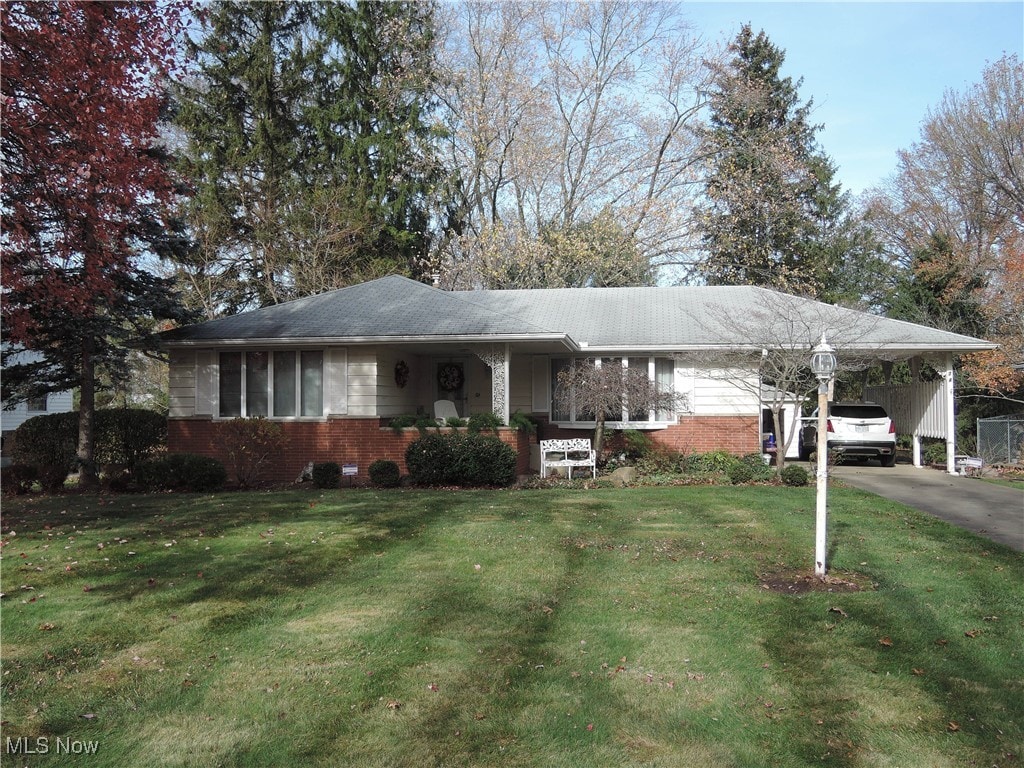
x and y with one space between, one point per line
823 366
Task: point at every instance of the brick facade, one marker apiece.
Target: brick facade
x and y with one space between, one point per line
345 441
363 441
738 435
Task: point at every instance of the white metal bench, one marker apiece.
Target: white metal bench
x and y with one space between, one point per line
567 453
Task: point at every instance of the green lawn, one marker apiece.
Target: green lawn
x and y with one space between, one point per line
504 628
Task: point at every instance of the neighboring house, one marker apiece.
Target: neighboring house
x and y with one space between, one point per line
334 368
12 415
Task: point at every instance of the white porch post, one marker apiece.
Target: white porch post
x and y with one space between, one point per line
948 376
497 358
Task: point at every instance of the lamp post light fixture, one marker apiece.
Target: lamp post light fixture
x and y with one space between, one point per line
823 366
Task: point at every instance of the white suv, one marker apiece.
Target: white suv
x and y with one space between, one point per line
859 430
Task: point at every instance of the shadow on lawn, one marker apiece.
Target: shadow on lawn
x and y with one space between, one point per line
897 637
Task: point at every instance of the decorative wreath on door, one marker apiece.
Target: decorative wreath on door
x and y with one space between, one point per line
401 373
450 377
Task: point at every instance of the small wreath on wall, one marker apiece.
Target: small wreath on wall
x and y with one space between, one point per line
450 377
401 373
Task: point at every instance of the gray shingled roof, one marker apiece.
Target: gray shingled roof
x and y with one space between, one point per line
691 317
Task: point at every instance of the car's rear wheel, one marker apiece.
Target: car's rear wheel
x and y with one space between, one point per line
889 461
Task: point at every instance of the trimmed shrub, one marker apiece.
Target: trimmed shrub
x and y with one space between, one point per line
125 436
180 472
431 457
794 475
484 460
17 479
121 436
49 444
385 474
251 444
740 473
454 422
484 422
460 459
326 474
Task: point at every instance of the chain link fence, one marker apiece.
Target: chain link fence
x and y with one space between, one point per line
1001 439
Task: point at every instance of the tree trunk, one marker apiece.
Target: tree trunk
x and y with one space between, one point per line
87 476
780 442
599 433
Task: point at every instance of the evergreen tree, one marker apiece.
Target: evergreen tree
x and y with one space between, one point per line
941 290
309 147
240 113
771 198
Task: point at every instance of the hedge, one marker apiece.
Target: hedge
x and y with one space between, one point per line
455 458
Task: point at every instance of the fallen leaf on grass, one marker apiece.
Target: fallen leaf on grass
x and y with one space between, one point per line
972 633
942 641
953 726
590 726
88 716
840 611
46 626
917 672
433 687
393 704
886 641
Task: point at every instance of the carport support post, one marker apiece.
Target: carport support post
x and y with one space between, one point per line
948 376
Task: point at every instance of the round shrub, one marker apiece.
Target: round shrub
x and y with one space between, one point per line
795 475
326 474
49 443
484 460
430 458
740 473
180 472
385 474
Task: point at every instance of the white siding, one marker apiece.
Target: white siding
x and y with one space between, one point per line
182 378
719 393
56 402
362 381
393 400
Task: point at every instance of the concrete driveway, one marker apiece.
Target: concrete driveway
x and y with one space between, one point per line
988 509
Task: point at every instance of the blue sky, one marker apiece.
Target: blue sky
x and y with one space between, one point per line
873 69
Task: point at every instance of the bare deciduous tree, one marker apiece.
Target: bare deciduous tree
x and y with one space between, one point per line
606 389
558 111
777 342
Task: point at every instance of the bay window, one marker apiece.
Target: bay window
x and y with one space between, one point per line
660 370
273 384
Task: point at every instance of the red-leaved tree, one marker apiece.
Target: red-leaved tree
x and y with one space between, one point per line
85 193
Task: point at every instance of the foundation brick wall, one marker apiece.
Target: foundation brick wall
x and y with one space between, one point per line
345 441
738 435
363 441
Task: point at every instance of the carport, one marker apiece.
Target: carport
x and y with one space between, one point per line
924 407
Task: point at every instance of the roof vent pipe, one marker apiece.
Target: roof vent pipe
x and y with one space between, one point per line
436 277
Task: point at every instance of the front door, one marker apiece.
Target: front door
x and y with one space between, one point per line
450 383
